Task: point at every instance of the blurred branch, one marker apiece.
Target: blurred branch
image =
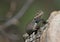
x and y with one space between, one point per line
18 16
